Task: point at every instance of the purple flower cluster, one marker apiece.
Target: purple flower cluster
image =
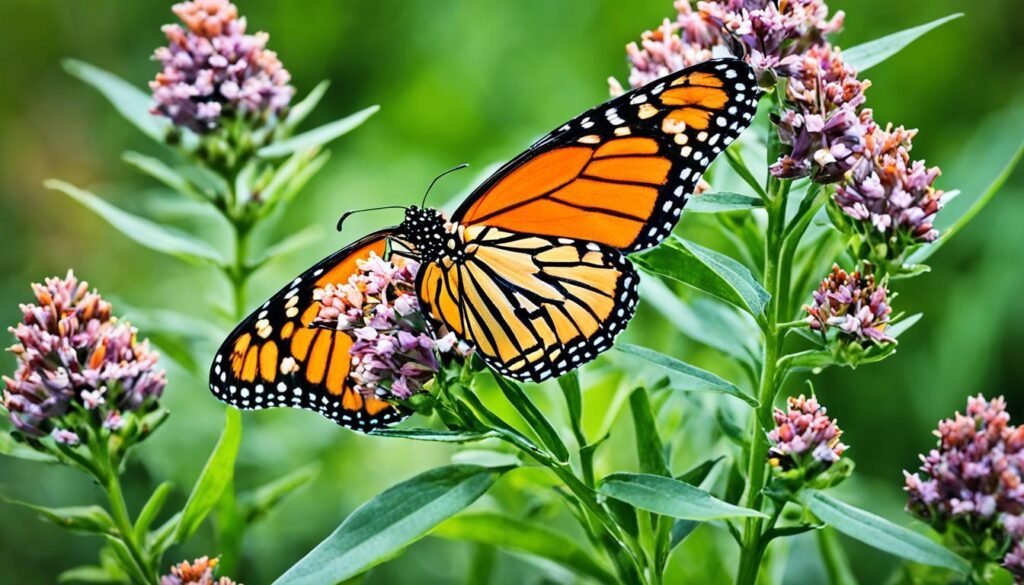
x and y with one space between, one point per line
394 354
853 304
824 129
971 483
198 572
804 436
832 138
215 70
890 195
74 357
771 34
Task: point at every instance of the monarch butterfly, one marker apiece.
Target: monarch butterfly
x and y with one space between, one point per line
531 270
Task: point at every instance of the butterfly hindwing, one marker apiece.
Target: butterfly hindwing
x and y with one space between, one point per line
274 358
620 174
532 306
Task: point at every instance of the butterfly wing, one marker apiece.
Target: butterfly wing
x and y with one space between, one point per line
619 174
532 306
274 358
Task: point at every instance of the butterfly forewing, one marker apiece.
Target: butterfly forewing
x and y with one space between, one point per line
620 174
275 358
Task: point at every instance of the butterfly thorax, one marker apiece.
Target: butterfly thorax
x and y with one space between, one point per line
430 234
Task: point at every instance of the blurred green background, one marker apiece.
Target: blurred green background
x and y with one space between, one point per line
476 82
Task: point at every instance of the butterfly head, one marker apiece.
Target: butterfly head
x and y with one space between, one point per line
425 230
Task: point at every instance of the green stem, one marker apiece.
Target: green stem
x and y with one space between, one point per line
111 482
753 549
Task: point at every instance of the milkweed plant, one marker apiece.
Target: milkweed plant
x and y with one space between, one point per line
825 211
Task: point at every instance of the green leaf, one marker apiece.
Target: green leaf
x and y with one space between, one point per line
391 521
130 101
216 475
706 270
698 473
318 136
570 385
299 111
255 504
705 320
125 560
862 57
925 252
160 171
649 449
141 230
292 243
486 458
901 326
721 202
533 416
89 519
690 378
435 435
508 533
12 448
152 508
88 574
735 159
878 532
693 476
670 497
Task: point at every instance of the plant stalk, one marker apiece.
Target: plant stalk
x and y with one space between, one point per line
753 548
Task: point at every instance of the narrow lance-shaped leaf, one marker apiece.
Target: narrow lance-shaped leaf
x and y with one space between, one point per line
391 521
705 320
534 417
91 519
435 436
317 136
722 202
257 503
706 270
649 448
141 230
160 171
925 252
292 243
215 477
867 55
693 476
878 532
670 497
688 377
570 385
299 111
508 533
130 101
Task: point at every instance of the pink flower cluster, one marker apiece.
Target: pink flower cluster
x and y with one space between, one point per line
890 195
972 481
74 357
824 131
770 33
889 198
213 69
394 353
804 435
198 572
853 304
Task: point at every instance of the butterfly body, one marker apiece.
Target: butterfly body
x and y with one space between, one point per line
532 269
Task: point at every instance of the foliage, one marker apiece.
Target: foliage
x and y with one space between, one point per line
635 517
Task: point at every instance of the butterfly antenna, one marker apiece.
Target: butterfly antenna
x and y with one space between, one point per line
344 216
451 170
